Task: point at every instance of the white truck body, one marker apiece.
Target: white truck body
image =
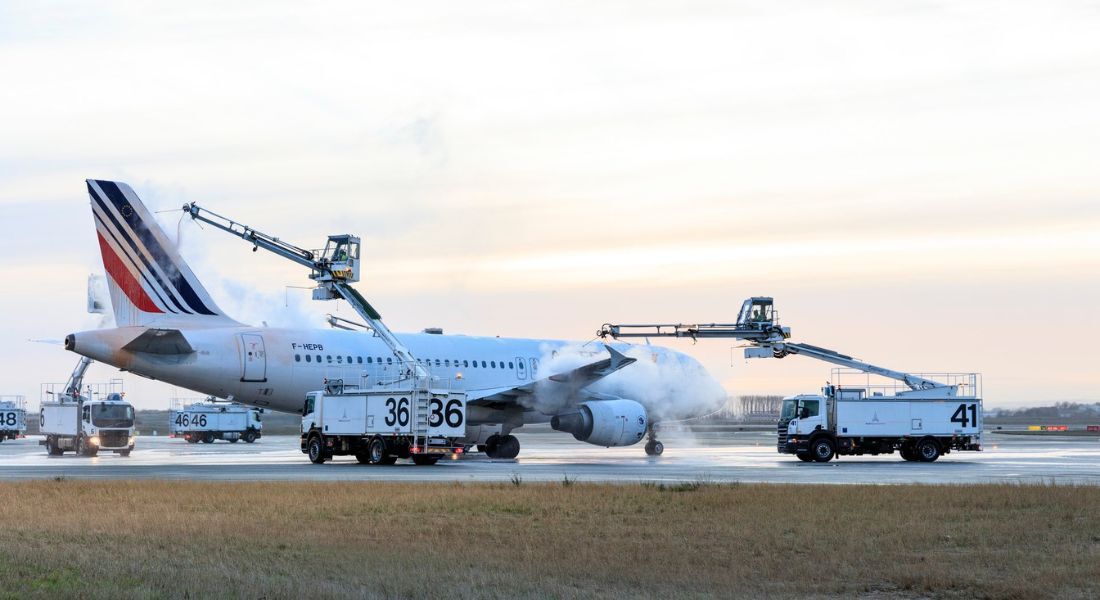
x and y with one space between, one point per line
349 422
383 414
901 417
61 418
88 426
208 421
13 419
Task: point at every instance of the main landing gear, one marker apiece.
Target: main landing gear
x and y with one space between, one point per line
502 446
653 447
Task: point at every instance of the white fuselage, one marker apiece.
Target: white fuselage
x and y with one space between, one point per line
276 368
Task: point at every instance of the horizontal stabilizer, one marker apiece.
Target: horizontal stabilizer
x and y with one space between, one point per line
160 341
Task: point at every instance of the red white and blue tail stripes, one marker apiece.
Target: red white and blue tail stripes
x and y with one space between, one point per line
144 268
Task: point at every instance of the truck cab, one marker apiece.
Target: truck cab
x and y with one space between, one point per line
108 424
801 415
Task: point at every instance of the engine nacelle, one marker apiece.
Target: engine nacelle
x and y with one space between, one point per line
605 423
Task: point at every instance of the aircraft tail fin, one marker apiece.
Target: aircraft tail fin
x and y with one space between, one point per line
148 279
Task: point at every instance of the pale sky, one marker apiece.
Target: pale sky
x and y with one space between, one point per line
916 183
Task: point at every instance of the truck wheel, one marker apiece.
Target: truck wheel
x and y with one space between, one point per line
316 450
906 453
192 439
805 457
421 460
822 450
376 450
249 437
388 460
123 453
928 450
208 438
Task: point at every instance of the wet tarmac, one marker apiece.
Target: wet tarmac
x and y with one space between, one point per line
549 456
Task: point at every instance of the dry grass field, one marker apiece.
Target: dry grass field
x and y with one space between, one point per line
166 539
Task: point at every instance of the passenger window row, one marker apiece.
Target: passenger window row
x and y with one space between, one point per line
350 360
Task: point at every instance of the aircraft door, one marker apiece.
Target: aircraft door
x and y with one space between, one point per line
253 358
534 368
521 368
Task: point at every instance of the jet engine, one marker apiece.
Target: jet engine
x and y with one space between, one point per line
604 423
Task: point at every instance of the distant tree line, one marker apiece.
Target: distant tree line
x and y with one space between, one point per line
1060 410
758 405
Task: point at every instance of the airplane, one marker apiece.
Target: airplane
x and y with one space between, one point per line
168 328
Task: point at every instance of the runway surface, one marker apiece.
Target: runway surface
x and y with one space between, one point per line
550 456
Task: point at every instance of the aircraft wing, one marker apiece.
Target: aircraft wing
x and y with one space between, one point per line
567 384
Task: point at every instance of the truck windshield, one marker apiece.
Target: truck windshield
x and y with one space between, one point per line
788 409
112 415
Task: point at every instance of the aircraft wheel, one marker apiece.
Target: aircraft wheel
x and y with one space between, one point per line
508 447
654 448
822 449
492 445
420 460
316 450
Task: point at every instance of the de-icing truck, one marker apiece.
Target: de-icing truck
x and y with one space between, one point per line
210 420
919 424
73 420
13 417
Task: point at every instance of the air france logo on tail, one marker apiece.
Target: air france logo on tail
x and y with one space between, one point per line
147 276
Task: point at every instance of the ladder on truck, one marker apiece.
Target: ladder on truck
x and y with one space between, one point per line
758 324
334 269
